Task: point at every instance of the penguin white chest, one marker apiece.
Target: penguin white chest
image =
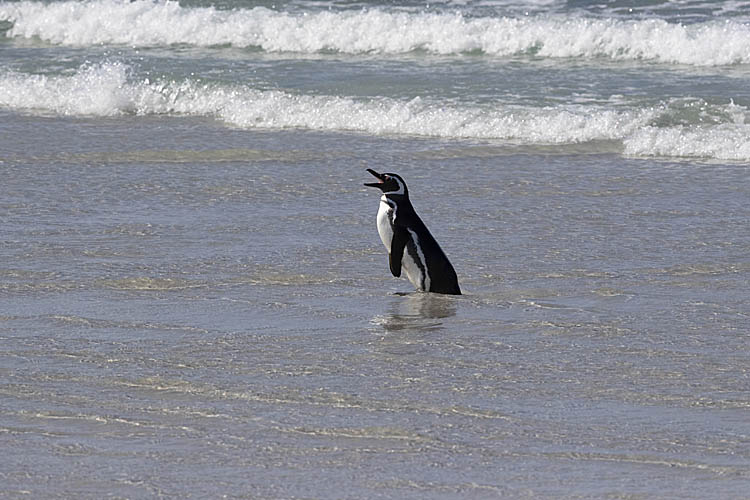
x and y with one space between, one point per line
385 216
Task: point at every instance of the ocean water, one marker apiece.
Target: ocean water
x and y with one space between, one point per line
195 302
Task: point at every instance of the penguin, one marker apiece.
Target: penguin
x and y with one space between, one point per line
408 241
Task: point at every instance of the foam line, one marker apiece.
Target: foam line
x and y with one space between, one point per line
142 23
110 89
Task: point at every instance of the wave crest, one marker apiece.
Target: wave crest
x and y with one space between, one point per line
107 90
722 142
674 129
142 23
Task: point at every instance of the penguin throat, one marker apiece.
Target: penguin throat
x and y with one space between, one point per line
400 191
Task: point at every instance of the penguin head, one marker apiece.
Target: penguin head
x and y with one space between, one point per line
388 183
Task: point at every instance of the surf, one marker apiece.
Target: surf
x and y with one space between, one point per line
145 23
684 127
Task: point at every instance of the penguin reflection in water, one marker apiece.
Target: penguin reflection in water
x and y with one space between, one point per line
408 241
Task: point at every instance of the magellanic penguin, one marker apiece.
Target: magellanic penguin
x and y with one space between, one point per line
408 241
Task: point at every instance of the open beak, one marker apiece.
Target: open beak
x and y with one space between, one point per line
381 179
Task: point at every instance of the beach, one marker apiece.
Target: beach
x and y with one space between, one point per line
195 301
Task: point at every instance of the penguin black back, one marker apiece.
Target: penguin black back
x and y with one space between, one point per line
410 244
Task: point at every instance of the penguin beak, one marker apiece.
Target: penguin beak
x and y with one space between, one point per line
381 179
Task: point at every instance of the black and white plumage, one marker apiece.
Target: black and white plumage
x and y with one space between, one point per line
408 241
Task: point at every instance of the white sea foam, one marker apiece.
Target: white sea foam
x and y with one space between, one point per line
694 129
94 90
109 89
721 142
148 23
106 90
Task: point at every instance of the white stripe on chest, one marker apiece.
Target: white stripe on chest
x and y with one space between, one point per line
421 280
386 214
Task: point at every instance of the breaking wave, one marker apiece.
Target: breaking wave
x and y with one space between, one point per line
146 23
674 129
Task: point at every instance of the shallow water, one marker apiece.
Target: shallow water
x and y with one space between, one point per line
216 317
195 302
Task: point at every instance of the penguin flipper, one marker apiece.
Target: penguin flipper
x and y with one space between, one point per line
398 243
